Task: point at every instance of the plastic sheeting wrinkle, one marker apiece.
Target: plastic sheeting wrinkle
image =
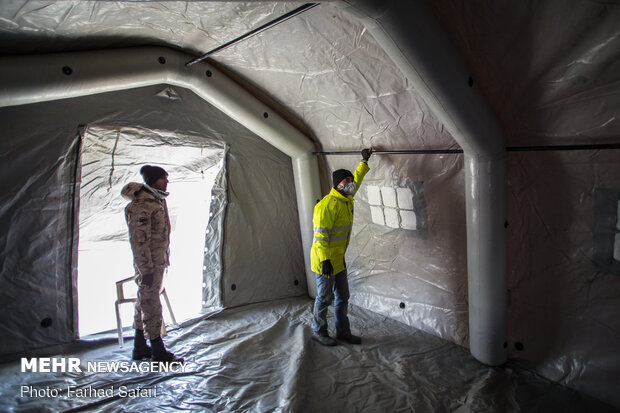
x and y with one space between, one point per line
118 136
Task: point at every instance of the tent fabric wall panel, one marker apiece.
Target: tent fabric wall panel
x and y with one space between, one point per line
37 217
551 250
128 24
213 265
425 270
260 230
553 87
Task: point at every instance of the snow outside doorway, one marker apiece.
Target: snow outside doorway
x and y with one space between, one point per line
111 158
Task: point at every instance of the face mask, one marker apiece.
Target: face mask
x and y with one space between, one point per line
349 188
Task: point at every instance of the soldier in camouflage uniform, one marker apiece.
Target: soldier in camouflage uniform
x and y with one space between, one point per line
149 235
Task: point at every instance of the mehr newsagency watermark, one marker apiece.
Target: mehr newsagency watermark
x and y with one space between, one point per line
74 365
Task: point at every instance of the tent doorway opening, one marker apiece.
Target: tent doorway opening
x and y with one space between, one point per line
110 159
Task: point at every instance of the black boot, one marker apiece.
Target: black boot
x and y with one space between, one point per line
349 338
160 353
140 349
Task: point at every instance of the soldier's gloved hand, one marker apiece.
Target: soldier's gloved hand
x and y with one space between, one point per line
147 279
366 154
326 268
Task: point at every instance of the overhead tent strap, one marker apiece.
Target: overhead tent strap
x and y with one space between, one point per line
254 32
595 147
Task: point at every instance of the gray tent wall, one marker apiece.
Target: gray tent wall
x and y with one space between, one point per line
254 216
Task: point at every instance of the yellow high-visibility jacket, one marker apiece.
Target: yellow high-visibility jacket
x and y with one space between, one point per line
333 220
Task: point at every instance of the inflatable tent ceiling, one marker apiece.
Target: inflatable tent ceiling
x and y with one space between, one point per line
490 218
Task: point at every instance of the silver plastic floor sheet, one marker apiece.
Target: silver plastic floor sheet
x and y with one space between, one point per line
261 358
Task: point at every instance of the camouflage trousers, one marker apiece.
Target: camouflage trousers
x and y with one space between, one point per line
148 311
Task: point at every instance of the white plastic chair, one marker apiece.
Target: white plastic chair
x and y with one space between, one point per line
121 299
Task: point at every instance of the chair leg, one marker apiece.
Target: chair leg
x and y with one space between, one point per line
119 325
163 292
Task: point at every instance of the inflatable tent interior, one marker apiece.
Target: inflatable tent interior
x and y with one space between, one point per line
484 259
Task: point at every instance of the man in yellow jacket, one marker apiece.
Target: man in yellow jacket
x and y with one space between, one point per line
333 220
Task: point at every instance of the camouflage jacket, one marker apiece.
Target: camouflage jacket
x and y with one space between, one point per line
149 228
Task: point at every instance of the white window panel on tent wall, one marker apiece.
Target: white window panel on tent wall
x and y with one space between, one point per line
392 207
388 195
405 198
377 215
111 158
606 228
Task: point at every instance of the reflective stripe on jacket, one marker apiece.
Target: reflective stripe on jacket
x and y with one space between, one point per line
333 220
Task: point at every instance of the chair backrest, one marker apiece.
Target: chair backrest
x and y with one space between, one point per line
120 293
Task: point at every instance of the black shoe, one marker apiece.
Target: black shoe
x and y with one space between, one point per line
160 353
140 349
168 357
324 340
349 338
141 353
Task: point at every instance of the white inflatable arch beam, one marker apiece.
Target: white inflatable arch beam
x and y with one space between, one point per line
408 33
